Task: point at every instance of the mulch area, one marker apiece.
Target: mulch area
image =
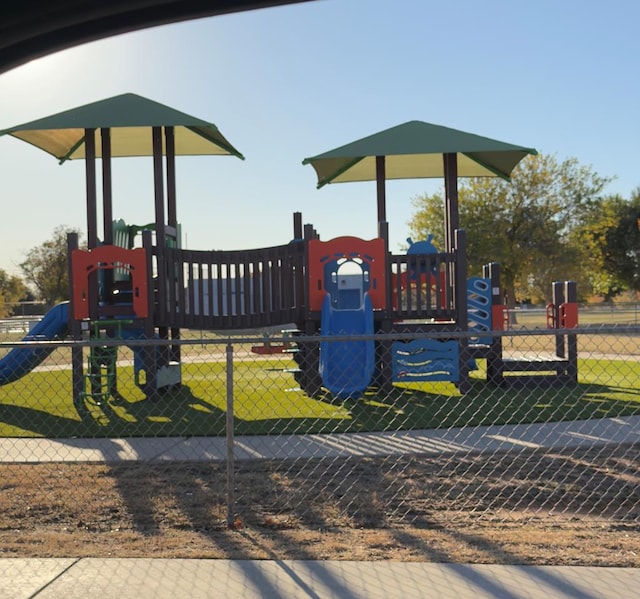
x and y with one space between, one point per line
579 506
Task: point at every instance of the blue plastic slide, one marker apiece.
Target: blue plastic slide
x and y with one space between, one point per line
20 361
347 367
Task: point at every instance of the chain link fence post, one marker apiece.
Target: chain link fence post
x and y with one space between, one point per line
229 434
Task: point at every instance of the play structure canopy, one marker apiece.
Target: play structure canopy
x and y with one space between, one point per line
417 150
123 126
414 150
129 117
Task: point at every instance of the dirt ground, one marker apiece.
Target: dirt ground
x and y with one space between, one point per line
557 508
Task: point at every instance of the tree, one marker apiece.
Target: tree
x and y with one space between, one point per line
608 239
428 218
621 248
524 224
592 238
12 290
46 268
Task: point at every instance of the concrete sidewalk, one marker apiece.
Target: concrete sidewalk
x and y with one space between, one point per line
203 579
439 441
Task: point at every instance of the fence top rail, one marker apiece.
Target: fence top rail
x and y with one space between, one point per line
222 338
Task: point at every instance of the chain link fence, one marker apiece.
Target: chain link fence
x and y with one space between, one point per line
251 456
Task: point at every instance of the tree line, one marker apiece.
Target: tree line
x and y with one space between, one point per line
45 275
552 222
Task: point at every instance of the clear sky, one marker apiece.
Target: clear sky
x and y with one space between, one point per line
290 82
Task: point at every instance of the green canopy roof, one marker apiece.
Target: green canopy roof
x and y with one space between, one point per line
414 150
129 117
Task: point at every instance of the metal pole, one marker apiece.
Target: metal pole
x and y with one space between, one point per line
558 298
107 202
495 365
571 297
174 353
451 218
77 364
230 426
107 187
90 170
381 188
462 315
172 202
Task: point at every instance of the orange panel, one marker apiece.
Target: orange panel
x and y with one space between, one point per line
104 257
499 317
372 252
568 315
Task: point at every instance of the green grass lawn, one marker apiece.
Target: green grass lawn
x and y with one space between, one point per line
267 401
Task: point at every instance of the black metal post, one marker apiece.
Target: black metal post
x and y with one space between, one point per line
558 299
75 327
381 188
462 317
451 218
495 370
571 296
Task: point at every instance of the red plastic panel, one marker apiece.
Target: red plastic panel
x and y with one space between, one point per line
499 317
568 315
104 257
371 251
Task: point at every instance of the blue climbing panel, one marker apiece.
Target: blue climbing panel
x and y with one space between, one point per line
425 360
479 308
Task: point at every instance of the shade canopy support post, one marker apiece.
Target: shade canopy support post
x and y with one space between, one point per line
90 181
381 188
107 188
92 213
158 186
451 218
107 198
158 177
170 152
172 220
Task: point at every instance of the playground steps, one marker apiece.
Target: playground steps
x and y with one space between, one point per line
536 381
534 361
547 370
524 368
479 350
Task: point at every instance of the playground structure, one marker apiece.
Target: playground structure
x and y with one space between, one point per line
347 288
341 288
